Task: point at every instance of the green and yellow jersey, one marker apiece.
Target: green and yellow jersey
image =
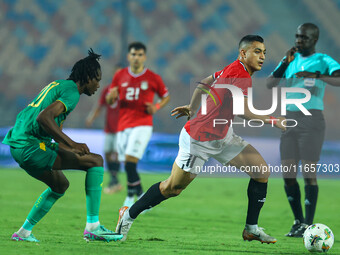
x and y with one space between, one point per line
26 129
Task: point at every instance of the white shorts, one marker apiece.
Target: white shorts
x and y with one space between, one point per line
193 154
133 141
110 143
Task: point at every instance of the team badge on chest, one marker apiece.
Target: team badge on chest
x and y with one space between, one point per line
144 85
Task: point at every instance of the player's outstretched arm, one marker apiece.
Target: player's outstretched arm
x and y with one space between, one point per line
182 111
267 119
196 97
46 120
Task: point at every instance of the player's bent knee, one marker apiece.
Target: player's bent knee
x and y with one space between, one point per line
97 160
266 175
61 186
65 185
262 176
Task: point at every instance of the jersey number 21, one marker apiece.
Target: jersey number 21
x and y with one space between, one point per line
132 94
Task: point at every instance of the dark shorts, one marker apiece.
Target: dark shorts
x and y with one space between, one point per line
303 142
35 158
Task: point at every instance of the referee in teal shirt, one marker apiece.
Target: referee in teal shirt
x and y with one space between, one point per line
302 67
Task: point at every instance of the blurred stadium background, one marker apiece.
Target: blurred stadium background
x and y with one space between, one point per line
187 40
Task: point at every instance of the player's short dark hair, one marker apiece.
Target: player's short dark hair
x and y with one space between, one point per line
137 46
248 39
86 69
313 28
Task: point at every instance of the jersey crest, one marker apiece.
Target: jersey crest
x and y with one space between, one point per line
144 85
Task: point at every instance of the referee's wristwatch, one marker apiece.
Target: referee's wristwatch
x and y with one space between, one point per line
317 73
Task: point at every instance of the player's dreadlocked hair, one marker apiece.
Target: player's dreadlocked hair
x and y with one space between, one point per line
85 69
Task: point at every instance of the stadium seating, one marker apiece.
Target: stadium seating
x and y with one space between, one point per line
186 41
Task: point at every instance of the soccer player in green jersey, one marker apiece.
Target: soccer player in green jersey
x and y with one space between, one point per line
31 146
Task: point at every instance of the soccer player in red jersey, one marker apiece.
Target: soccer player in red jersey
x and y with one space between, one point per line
135 86
110 129
199 141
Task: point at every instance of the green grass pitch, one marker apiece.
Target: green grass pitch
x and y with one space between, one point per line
207 218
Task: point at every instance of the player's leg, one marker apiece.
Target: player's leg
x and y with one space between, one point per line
58 184
257 191
257 187
290 155
113 165
310 139
311 189
181 176
293 193
134 186
173 186
137 142
130 165
93 165
37 160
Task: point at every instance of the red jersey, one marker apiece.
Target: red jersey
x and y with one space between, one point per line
112 112
135 90
202 127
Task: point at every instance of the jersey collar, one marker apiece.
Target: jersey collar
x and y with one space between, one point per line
243 66
138 74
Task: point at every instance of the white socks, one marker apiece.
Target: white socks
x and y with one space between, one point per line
92 226
24 232
251 228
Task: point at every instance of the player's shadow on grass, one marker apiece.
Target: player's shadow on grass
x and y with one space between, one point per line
152 239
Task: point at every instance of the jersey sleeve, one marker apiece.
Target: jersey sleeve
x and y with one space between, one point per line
114 82
216 74
161 89
69 96
332 65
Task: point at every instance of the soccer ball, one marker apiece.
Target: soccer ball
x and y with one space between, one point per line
318 238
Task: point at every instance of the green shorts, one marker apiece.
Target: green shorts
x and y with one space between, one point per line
36 158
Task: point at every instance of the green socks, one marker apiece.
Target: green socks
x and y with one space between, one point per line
41 207
93 188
